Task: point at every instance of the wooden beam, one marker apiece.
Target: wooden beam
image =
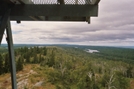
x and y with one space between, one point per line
50 18
24 2
54 10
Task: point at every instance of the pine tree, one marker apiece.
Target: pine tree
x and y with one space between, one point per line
44 51
19 64
6 64
1 64
51 61
35 59
129 71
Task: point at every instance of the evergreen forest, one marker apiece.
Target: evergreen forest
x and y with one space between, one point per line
70 67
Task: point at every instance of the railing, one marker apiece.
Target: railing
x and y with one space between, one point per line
72 2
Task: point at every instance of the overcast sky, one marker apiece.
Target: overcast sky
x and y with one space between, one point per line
114 26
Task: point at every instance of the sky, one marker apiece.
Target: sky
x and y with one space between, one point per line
114 26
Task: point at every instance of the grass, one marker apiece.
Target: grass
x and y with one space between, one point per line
35 76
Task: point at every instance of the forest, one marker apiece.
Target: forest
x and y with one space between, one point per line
71 67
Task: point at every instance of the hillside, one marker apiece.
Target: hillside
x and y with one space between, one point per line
70 67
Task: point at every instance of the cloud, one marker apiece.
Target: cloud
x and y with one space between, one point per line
113 26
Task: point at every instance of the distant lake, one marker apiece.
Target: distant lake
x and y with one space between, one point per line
91 51
131 47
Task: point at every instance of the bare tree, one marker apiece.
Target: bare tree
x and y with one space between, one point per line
62 69
110 81
90 74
